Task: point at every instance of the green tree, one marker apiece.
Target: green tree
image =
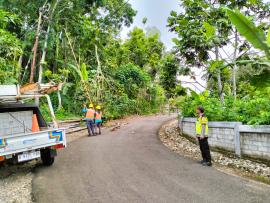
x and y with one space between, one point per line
144 51
168 77
256 36
10 50
206 37
196 28
132 78
76 42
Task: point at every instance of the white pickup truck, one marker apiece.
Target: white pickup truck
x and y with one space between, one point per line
18 141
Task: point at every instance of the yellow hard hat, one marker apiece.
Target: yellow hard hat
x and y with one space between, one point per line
98 107
91 106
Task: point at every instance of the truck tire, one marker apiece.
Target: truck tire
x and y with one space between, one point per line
47 157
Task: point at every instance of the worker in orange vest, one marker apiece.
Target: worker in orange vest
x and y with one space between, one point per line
90 119
98 118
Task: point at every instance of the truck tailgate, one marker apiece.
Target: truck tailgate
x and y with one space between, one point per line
31 141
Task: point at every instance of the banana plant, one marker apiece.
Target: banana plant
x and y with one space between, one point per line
250 31
258 39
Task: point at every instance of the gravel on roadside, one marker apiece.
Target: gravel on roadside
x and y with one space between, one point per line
15 183
170 136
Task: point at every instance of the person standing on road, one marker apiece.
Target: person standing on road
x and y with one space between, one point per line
98 119
90 119
202 136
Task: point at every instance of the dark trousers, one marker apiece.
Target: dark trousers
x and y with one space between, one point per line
90 127
204 147
99 127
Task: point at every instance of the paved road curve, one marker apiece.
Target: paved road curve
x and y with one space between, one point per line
131 165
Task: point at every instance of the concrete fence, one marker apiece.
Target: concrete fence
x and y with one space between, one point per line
253 141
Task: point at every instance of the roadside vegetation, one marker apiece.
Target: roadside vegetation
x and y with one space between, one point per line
78 43
230 42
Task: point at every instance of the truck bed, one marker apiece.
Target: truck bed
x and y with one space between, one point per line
31 141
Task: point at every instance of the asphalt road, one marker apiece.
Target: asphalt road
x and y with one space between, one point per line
131 165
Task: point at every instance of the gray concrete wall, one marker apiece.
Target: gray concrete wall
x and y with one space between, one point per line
15 122
255 140
235 137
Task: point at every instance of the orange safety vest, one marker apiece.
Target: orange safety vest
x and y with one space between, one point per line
90 114
98 116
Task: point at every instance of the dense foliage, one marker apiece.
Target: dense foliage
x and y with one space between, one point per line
10 48
254 109
78 43
229 41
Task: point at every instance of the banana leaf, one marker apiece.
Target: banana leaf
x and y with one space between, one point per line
249 30
84 72
261 80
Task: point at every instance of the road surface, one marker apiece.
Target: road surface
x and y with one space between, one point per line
131 165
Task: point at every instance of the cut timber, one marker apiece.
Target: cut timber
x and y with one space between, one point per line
36 88
29 87
14 93
49 88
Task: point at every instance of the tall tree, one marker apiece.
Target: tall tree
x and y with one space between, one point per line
168 77
144 51
206 35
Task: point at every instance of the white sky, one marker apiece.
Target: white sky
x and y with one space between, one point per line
157 12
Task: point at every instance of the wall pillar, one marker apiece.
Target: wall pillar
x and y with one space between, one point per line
237 140
180 123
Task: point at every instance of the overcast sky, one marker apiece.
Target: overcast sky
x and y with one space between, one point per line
157 12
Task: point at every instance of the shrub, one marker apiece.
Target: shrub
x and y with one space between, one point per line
253 110
132 78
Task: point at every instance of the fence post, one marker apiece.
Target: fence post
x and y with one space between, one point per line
180 122
237 140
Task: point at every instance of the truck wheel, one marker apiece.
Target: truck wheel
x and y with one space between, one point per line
47 157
